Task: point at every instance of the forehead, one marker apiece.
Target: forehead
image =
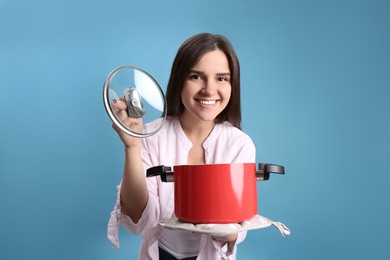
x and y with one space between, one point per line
215 60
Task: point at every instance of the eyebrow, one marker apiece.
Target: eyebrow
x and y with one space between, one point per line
218 74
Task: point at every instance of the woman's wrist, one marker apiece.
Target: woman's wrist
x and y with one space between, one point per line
132 148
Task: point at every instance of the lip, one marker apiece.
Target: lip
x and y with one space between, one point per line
206 102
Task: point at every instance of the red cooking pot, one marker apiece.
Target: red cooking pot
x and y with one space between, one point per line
215 193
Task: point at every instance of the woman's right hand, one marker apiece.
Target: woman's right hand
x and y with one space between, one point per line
135 124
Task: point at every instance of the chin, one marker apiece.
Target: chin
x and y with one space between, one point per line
208 119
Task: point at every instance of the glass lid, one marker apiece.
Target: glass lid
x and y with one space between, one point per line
132 98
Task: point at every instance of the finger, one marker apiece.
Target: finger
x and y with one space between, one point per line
122 115
129 121
118 105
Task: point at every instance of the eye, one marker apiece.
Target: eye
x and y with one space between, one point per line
195 76
224 78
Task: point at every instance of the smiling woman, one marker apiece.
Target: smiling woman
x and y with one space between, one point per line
314 96
206 93
202 127
201 51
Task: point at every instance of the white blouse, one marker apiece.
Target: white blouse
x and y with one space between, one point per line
170 146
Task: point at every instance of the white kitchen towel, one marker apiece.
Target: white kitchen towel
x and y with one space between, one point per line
257 222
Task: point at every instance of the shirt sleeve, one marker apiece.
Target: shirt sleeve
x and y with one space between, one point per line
149 218
216 250
226 250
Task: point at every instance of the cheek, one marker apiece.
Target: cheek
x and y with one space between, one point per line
184 93
227 93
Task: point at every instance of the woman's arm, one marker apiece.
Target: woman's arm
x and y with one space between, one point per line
134 191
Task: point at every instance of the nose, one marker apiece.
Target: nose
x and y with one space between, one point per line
209 87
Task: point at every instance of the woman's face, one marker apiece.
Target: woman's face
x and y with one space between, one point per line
207 88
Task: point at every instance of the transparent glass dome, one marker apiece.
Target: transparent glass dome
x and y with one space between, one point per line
132 98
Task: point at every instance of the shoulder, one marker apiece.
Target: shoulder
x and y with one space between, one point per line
168 132
161 126
155 147
229 144
234 134
229 136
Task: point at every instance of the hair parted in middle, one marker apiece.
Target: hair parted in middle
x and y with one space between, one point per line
189 53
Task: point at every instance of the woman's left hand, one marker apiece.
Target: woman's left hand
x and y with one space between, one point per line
228 238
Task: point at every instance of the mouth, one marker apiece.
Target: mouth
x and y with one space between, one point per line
206 102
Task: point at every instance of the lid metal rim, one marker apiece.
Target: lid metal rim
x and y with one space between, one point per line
113 116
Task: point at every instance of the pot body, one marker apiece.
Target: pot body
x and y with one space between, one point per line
215 193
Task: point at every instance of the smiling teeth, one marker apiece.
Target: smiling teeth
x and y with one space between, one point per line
207 102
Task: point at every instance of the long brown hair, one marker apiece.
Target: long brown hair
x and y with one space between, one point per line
186 58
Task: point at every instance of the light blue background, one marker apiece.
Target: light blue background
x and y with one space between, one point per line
315 96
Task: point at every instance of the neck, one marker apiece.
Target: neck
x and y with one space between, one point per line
197 132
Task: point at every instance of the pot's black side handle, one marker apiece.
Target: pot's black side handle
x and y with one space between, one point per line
165 173
262 174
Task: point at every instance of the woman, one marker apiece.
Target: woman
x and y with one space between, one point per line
202 127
